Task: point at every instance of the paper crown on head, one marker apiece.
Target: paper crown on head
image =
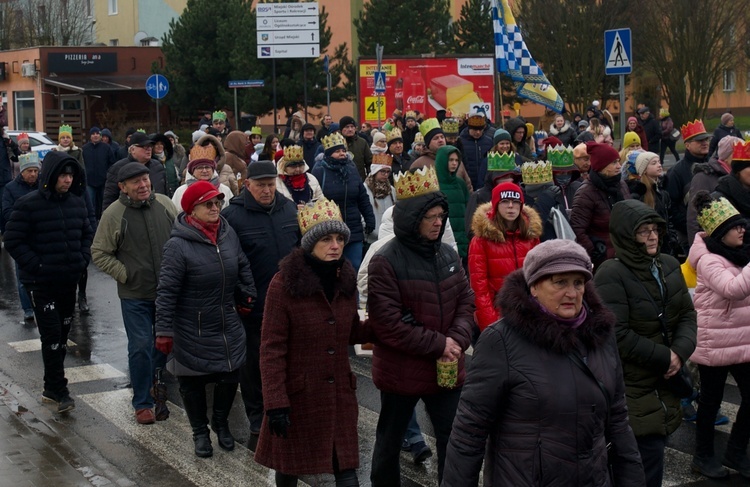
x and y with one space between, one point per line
418 138
219 115
716 213
536 172
256 131
501 162
691 129
28 158
22 136
333 140
293 153
427 125
65 130
450 126
476 121
561 157
203 152
410 114
382 159
741 151
411 184
393 134
143 131
322 210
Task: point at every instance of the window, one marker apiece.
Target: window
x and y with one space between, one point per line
112 7
25 114
729 80
114 42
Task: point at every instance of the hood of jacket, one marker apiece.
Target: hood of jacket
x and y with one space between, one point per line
214 141
554 131
301 281
522 313
624 220
441 163
712 167
184 230
513 124
483 227
407 216
168 148
54 162
235 143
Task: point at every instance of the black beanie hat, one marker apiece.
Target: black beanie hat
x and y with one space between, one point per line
347 120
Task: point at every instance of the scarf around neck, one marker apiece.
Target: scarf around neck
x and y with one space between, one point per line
210 230
610 185
298 186
380 189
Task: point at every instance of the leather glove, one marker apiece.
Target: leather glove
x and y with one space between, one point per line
369 230
244 310
164 345
278 421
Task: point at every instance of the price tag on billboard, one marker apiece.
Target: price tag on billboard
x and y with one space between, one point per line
371 108
481 107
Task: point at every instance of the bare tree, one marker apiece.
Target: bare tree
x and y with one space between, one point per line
26 23
690 45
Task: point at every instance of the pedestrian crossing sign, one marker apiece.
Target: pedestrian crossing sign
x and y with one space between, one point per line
618 54
379 82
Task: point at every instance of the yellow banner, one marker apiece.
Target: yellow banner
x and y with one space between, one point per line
369 69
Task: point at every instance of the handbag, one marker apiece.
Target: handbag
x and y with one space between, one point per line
563 230
675 135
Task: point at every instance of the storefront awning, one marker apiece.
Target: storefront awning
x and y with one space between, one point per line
93 85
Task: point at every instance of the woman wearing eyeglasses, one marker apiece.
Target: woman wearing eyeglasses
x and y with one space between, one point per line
294 180
204 275
655 327
505 230
202 167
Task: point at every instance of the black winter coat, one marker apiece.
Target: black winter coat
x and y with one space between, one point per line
475 157
199 284
156 171
719 133
14 190
652 128
98 159
679 178
48 234
535 417
267 235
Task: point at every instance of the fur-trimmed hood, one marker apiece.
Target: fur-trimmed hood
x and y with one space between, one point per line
301 281
522 313
554 130
483 227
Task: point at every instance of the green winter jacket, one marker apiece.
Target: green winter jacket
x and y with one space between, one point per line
454 189
652 408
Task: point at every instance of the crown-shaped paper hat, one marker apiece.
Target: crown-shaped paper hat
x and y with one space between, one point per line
322 210
561 157
741 151
256 131
65 130
22 136
691 129
207 151
428 125
333 140
143 131
716 213
501 162
393 134
536 172
450 126
410 114
411 184
418 138
293 153
476 121
29 157
219 115
382 159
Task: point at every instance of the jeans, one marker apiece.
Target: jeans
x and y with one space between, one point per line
395 412
143 357
413 433
709 401
250 383
23 295
651 448
353 252
54 306
97 198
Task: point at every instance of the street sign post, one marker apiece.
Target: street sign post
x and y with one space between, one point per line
157 88
618 60
379 74
243 83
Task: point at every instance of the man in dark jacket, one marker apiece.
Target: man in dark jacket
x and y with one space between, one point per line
266 223
98 157
421 307
395 142
652 128
140 150
7 147
680 176
475 144
358 146
411 128
122 151
324 128
310 145
49 236
128 246
725 128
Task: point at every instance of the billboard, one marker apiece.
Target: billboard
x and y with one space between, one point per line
458 84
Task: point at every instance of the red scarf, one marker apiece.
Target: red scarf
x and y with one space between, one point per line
210 230
297 181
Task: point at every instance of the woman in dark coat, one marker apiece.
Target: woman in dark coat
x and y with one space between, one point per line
545 391
204 275
309 390
640 286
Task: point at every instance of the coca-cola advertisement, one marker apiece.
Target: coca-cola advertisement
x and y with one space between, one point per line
456 84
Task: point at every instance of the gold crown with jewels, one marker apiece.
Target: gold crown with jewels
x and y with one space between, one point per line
719 211
536 172
450 126
293 153
382 159
322 210
333 140
411 184
393 134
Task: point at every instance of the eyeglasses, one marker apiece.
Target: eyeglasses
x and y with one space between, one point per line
212 204
647 233
431 219
295 164
202 168
740 228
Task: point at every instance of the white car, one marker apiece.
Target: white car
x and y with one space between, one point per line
39 141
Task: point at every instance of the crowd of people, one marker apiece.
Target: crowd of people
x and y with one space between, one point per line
564 261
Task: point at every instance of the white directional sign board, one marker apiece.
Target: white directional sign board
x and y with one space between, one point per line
288 30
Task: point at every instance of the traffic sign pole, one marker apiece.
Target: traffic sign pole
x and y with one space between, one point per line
236 116
379 58
622 107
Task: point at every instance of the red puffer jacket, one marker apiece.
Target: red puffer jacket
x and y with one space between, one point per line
493 255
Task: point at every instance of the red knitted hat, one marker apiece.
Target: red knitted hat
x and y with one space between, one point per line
602 155
505 191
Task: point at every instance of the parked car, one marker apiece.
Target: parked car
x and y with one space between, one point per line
39 141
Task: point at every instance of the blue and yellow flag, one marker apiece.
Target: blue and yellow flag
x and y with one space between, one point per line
514 59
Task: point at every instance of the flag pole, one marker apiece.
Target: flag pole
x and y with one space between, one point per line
502 105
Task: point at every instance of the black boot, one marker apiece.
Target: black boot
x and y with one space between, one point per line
194 401
284 480
223 399
736 457
347 478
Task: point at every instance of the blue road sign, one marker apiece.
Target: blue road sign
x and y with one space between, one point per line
618 52
325 64
157 86
246 83
379 82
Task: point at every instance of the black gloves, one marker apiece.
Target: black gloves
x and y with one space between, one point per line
408 317
278 421
369 230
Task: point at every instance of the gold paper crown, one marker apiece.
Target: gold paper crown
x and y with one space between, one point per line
450 126
410 114
719 211
536 172
293 153
219 115
418 138
382 159
322 210
501 162
203 152
65 130
411 184
333 140
561 157
427 125
393 134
